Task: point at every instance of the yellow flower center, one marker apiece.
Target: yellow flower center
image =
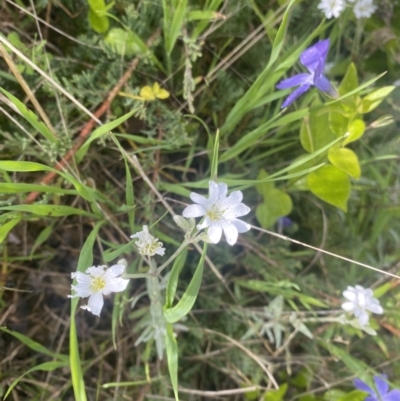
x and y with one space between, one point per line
215 213
97 284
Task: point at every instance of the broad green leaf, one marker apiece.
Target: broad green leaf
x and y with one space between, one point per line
46 366
122 42
172 357
172 285
350 80
346 160
355 395
331 185
185 304
7 227
338 122
276 204
374 99
48 210
263 188
355 130
31 118
315 132
99 23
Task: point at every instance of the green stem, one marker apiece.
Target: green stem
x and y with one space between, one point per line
173 256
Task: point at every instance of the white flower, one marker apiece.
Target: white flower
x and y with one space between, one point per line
331 8
99 281
220 213
364 8
361 300
147 244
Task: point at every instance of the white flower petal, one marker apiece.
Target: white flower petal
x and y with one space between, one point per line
217 191
237 211
375 309
348 306
350 295
194 211
235 197
116 270
241 226
96 271
231 233
115 285
200 199
95 303
214 233
363 318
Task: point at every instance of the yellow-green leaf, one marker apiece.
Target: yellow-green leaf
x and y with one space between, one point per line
350 80
331 185
355 130
315 132
374 99
345 160
276 204
123 42
99 24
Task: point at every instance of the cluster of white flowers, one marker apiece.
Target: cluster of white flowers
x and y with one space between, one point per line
361 301
333 8
147 244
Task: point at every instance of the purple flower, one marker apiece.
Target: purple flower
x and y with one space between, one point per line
382 387
313 59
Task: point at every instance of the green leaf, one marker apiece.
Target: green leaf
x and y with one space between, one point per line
338 122
85 261
185 304
46 366
355 395
31 118
276 395
350 80
202 15
21 166
99 132
7 227
173 26
214 162
48 210
35 346
374 99
99 23
276 204
355 130
331 185
174 276
17 187
345 160
122 42
172 357
263 188
315 132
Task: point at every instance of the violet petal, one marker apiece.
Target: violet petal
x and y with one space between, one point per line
295 94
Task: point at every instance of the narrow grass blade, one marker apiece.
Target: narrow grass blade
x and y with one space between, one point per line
174 276
31 118
48 210
172 356
185 305
85 261
7 227
46 366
